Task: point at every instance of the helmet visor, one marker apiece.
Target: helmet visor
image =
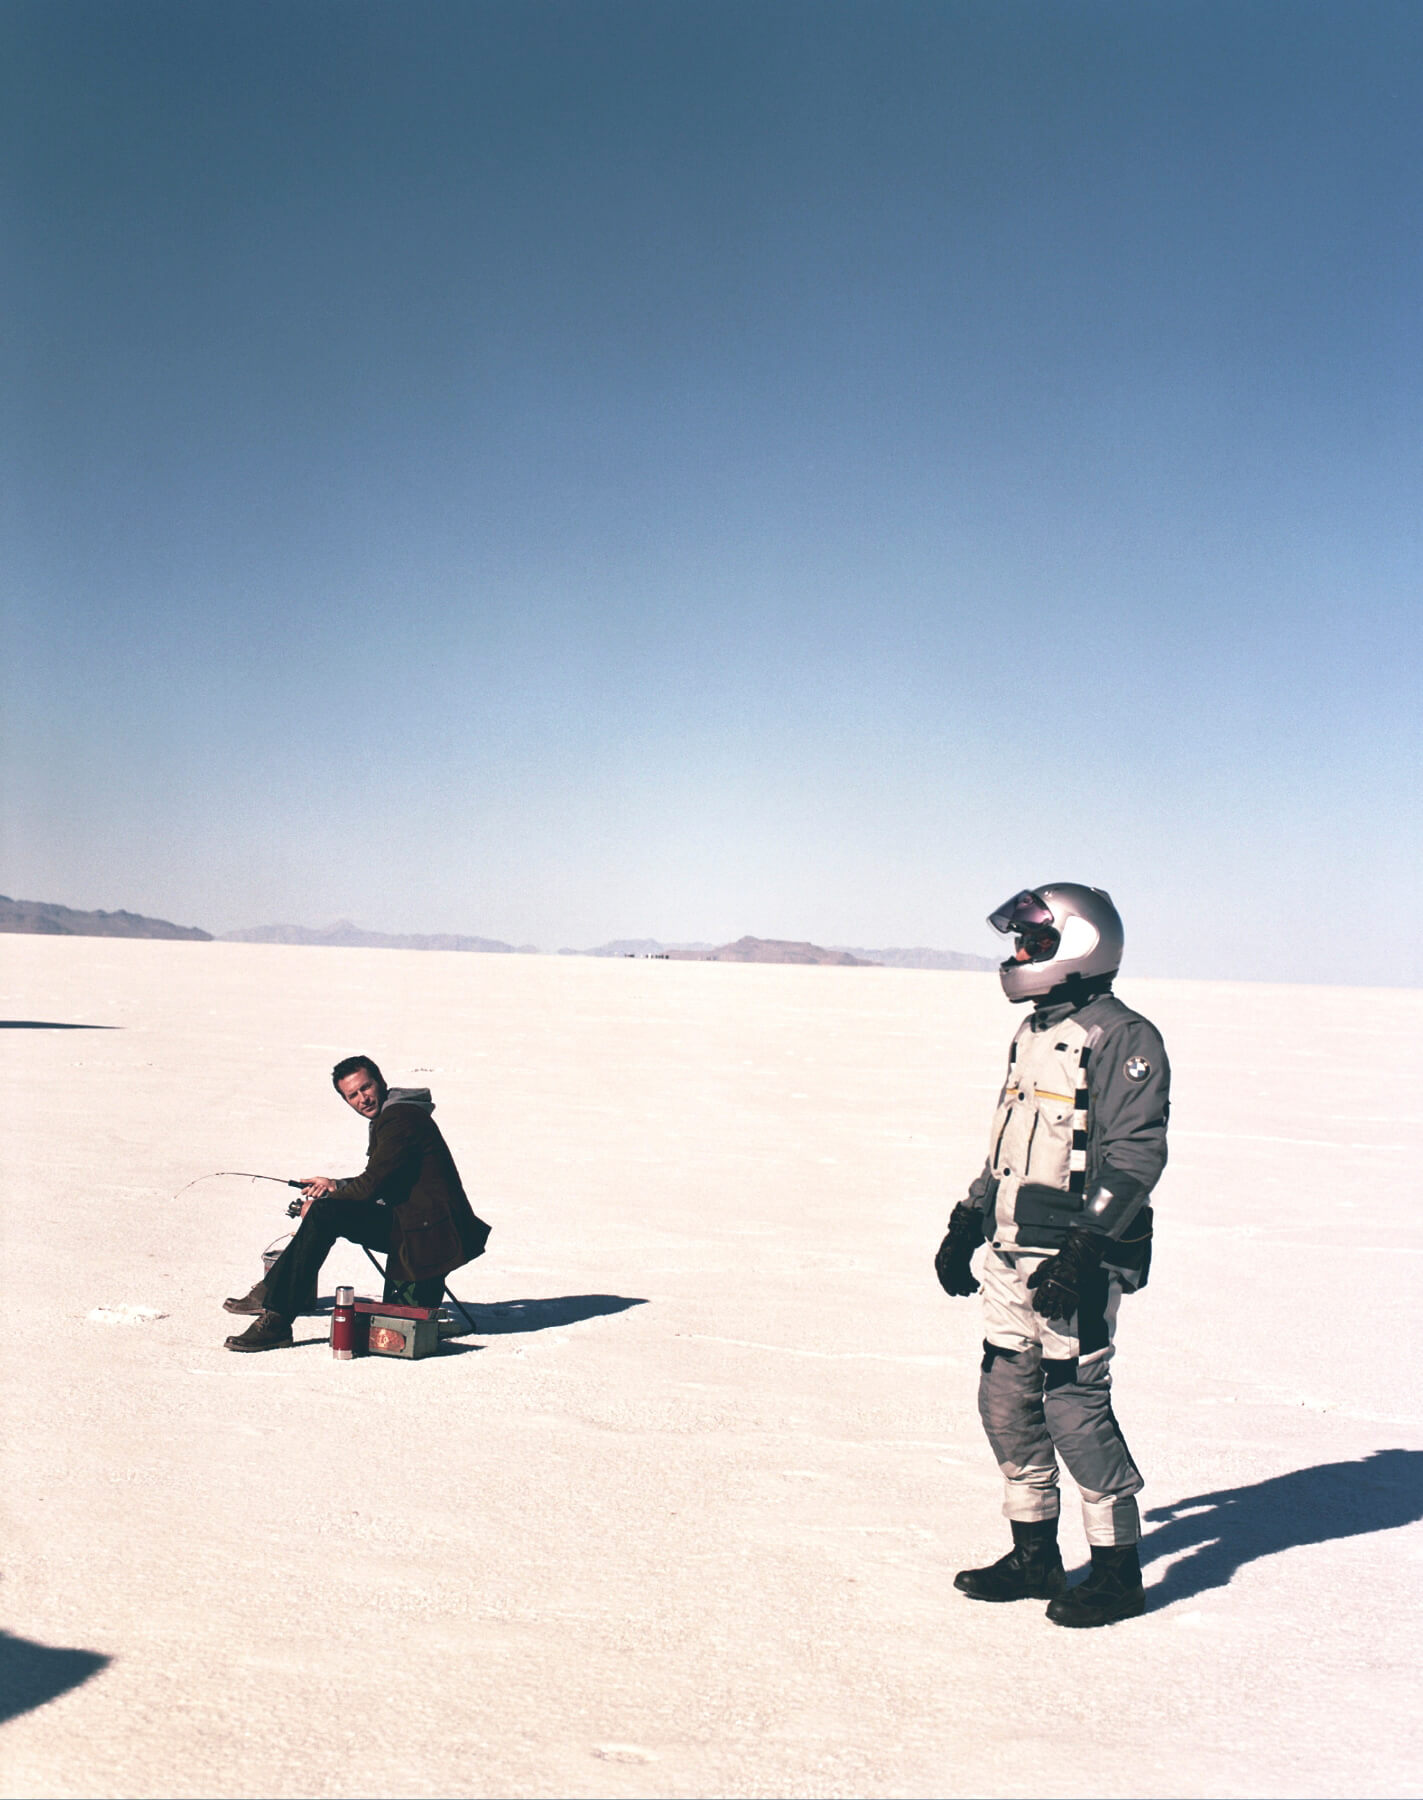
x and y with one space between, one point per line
1023 913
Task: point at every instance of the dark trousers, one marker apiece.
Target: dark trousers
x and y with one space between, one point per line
292 1279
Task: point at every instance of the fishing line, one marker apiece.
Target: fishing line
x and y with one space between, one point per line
236 1175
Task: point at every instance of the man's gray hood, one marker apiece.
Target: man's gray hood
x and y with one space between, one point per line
408 1097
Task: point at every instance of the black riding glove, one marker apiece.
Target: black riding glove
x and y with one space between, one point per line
956 1251
1057 1283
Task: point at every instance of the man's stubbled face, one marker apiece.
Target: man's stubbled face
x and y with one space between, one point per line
362 1091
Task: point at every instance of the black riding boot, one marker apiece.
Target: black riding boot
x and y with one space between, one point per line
1032 1570
1111 1591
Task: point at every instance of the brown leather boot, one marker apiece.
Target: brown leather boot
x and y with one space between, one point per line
247 1303
268 1331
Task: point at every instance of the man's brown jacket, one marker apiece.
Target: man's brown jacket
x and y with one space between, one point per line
409 1166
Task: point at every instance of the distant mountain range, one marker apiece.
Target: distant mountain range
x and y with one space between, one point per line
638 947
346 936
62 921
922 958
47 920
781 950
772 950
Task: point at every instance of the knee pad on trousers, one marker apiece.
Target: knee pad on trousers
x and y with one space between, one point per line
1085 1433
1010 1404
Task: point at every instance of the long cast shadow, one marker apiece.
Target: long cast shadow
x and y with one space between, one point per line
51 1025
1222 1531
505 1316
32 1674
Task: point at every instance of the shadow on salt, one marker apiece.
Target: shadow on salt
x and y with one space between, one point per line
501 1317
50 1025
1217 1533
33 1674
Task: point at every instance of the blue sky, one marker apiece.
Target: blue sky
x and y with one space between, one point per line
562 471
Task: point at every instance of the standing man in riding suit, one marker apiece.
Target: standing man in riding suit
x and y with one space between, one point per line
1078 1143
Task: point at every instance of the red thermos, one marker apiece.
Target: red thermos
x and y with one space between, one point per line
343 1318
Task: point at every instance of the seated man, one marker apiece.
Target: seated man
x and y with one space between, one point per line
408 1203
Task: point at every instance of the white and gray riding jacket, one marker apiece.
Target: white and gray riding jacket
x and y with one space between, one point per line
1079 1135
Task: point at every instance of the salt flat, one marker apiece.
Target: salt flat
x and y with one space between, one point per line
682 1516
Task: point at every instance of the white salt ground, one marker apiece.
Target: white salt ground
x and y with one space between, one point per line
682 1516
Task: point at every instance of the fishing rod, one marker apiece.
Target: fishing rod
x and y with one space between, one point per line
237 1175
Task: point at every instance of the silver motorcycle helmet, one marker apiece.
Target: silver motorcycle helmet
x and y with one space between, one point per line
1062 930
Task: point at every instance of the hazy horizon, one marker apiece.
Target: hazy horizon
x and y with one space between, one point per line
552 471
634 946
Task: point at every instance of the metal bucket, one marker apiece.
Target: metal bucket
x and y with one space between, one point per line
274 1250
